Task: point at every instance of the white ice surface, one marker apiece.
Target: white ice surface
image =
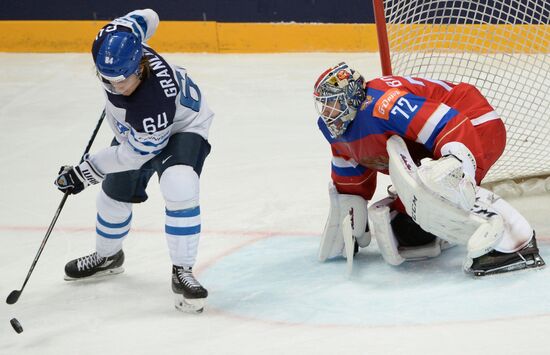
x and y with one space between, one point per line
264 203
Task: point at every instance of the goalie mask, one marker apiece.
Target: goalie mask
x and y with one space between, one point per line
338 93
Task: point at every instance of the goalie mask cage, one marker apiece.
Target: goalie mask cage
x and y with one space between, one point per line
501 47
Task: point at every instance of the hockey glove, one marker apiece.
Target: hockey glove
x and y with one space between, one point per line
75 179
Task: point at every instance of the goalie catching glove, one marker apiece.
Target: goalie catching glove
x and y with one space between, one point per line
75 179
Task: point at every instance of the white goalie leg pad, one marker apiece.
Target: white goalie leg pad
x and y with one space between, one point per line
481 228
380 218
342 205
381 230
517 230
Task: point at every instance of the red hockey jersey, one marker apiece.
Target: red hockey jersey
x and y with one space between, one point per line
427 114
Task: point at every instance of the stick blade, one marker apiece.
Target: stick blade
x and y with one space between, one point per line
13 297
349 243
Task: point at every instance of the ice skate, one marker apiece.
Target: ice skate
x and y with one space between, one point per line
496 262
93 265
190 296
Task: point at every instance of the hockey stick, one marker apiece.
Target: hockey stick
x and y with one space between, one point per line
15 294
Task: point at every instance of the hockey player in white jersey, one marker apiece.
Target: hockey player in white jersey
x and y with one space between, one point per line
160 121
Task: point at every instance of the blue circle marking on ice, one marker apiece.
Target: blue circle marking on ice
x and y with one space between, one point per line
279 279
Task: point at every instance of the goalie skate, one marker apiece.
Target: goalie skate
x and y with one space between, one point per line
496 262
94 266
189 295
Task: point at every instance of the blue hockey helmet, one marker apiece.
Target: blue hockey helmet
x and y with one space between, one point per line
119 56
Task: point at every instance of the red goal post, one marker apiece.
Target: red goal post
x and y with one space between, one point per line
500 46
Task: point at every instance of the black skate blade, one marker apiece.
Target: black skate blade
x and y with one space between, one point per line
536 262
97 275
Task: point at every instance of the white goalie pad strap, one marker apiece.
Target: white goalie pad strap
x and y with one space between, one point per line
342 205
480 228
331 243
380 229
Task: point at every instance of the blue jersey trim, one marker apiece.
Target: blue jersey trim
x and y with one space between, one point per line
400 123
141 22
442 123
148 144
142 152
351 171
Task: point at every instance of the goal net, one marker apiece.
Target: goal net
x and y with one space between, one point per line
501 47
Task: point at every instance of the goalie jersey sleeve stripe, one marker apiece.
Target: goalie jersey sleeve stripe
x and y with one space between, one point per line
343 167
434 124
485 118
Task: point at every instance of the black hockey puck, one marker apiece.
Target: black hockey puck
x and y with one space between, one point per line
16 325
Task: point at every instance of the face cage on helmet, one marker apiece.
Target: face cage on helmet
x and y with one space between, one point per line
335 118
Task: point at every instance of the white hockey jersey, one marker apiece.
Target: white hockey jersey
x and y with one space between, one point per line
165 103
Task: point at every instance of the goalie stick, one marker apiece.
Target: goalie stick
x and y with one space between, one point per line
349 242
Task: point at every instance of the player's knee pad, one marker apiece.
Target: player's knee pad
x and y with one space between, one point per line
180 187
341 205
517 230
112 210
398 237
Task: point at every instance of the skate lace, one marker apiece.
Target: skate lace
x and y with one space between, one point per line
89 261
187 278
